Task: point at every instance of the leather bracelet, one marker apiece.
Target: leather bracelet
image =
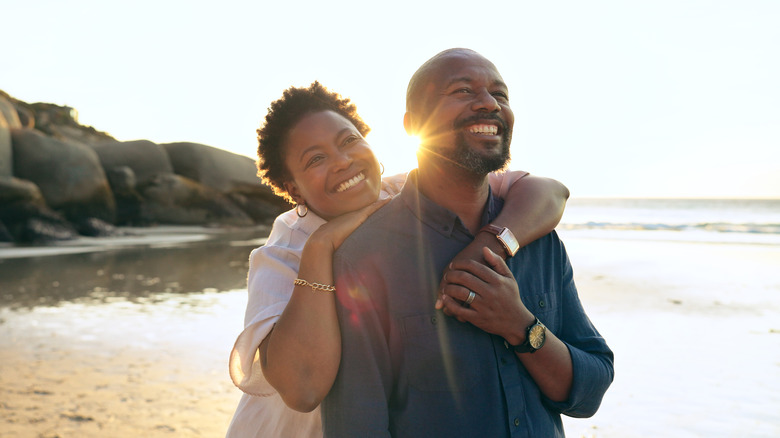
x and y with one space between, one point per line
505 237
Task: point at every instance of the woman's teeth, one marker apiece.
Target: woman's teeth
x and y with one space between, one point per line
351 183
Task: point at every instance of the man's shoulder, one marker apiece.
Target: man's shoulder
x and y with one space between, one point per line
378 230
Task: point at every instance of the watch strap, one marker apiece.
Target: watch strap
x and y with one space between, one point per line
526 347
505 237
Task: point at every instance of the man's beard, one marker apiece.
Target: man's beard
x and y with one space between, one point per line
466 157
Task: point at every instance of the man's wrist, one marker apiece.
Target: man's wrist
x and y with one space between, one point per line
518 332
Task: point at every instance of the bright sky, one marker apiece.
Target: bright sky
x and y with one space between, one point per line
666 98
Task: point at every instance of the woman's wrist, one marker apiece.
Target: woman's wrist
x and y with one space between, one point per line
483 238
318 244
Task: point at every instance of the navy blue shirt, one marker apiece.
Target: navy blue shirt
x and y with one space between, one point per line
408 370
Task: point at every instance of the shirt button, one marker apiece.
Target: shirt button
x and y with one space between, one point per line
517 421
541 303
433 320
503 361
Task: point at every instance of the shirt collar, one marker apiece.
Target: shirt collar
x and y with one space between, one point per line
308 223
437 217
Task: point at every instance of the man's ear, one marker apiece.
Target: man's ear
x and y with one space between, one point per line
408 123
294 192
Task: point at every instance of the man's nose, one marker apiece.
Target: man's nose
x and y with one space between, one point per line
484 101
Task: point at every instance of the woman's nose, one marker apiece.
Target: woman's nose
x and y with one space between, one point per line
343 159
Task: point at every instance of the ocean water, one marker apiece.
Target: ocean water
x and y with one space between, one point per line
685 291
753 221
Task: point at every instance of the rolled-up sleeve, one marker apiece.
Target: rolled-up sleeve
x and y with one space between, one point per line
592 359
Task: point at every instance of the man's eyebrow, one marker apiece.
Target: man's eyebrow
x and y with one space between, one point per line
469 80
459 79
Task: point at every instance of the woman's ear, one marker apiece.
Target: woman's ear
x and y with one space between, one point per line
294 192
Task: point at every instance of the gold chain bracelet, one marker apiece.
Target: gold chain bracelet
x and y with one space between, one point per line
315 286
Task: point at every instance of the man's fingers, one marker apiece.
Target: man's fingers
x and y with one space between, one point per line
452 307
496 262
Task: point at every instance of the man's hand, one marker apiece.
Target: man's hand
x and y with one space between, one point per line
496 307
473 251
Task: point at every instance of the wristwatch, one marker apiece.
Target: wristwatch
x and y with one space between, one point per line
535 335
504 236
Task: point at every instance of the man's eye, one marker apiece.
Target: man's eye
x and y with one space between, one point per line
463 90
501 95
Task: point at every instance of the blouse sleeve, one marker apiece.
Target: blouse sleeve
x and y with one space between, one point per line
500 182
272 269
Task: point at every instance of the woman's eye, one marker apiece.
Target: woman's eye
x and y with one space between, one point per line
463 90
351 139
314 160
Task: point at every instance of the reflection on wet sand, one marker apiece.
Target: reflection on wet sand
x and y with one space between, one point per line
213 265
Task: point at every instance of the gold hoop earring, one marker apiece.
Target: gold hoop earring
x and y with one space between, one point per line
298 210
383 168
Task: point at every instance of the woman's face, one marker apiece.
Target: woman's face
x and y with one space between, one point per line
333 170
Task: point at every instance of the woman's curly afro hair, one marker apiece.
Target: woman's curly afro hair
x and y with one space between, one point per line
282 116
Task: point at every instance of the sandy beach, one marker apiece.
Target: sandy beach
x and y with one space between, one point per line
694 327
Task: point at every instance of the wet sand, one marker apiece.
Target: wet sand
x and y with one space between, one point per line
694 327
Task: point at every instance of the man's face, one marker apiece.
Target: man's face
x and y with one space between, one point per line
463 113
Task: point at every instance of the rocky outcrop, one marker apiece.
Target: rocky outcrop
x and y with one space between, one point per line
6 154
216 168
8 112
60 179
69 175
144 158
175 199
25 217
230 174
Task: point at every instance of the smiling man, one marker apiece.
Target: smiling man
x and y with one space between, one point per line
506 348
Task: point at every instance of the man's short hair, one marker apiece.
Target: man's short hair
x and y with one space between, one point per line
283 115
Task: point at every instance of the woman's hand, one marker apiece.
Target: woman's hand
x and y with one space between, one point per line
335 231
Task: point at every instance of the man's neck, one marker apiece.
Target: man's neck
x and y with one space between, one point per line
456 189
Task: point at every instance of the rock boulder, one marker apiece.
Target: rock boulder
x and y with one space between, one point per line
26 217
145 158
174 199
69 175
6 151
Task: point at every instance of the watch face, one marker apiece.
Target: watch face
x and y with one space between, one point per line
508 239
536 336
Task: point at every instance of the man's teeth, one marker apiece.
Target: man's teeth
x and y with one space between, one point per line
484 129
351 183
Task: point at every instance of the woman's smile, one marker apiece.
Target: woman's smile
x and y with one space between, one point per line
352 182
